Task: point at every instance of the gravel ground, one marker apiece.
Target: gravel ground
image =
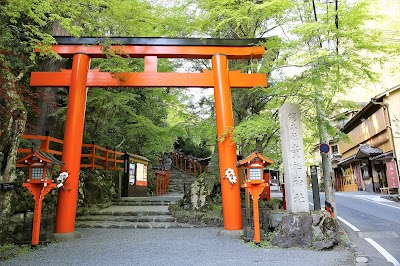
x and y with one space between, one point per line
194 246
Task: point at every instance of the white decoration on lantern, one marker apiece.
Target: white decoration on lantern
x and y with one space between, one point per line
230 174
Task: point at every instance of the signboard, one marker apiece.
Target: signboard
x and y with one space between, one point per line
7 186
315 187
313 169
392 175
126 164
141 174
132 179
324 148
145 174
358 176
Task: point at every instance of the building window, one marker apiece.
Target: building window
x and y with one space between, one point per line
334 149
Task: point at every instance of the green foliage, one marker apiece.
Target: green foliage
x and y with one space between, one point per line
197 127
258 132
241 19
330 55
249 19
131 120
334 57
188 147
6 247
262 244
30 22
8 251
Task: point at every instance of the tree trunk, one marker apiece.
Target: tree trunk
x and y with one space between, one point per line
12 129
326 158
47 104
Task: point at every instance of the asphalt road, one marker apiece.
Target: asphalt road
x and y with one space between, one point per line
373 224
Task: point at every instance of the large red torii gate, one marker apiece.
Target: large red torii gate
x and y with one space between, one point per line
80 77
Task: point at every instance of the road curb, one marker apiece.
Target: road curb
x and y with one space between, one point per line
359 255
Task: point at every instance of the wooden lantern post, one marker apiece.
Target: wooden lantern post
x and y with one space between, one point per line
39 183
255 184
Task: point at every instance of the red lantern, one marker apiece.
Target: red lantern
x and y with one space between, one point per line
39 183
254 184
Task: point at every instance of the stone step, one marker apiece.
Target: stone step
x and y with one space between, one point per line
129 213
129 225
144 203
126 218
179 189
174 189
177 179
162 200
180 175
132 211
135 212
180 184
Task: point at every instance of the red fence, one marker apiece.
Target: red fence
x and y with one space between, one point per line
97 156
187 163
162 181
108 159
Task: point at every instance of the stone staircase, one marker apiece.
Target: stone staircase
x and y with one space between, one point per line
141 212
180 181
144 212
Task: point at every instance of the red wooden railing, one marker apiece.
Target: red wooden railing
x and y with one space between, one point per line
108 158
44 146
187 163
98 157
162 173
162 181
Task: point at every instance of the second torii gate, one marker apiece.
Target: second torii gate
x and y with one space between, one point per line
80 77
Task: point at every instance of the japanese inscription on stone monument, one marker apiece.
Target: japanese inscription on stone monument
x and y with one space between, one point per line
293 158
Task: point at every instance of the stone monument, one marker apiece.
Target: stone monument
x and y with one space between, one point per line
293 159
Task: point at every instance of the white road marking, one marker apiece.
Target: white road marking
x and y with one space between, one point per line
378 247
368 198
383 251
348 224
376 199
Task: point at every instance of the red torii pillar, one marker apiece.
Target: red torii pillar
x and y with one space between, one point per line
72 147
226 147
79 78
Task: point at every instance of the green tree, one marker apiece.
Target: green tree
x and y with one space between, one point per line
336 51
198 129
27 25
24 26
249 19
323 50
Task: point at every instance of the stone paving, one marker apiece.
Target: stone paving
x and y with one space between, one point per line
141 231
190 246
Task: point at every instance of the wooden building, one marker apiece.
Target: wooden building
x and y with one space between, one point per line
369 161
